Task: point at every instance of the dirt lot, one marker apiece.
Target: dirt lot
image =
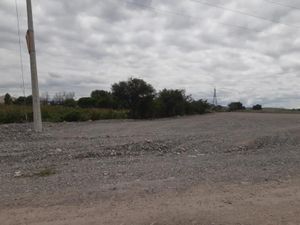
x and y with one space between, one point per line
221 169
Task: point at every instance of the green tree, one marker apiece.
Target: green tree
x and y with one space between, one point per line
100 94
104 99
172 102
135 95
234 106
8 99
257 107
197 107
20 101
70 103
86 102
29 100
23 100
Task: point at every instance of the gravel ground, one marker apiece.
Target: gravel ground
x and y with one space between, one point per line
81 164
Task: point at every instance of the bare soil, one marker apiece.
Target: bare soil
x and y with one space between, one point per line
222 169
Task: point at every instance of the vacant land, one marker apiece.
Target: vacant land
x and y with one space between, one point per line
221 169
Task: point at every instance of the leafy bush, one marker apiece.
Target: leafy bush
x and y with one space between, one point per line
20 101
133 98
171 102
135 95
19 114
70 103
73 115
218 108
14 114
197 107
8 99
103 99
235 106
87 102
257 107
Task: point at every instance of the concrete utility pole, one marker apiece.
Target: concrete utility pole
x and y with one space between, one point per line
37 119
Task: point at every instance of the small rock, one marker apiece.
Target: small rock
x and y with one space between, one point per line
18 174
105 173
182 149
113 153
227 202
245 183
58 150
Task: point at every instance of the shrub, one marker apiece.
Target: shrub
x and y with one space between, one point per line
133 98
20 101
8 99
234 106
197 107
23 100
29 100
103 99
218 108
257 107
135 95
72 116
171 103
70 103
19 114
87 102
12 114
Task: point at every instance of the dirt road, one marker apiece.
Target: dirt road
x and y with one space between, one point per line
226 168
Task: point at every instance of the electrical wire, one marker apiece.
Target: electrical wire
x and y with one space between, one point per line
165 12
20 49
283 5
21 59
243 13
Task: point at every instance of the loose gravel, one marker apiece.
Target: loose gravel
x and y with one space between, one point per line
71 163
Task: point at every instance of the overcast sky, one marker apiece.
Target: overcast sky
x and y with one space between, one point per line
90 44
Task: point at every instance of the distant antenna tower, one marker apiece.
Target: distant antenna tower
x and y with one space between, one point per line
215 100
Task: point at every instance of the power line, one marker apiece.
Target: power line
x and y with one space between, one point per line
283 5
165 12
20 49
243 13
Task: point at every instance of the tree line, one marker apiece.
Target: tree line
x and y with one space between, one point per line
238 106
135 95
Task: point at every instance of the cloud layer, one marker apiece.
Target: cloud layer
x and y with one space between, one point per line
86 45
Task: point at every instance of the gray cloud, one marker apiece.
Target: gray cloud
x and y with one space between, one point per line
84 45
